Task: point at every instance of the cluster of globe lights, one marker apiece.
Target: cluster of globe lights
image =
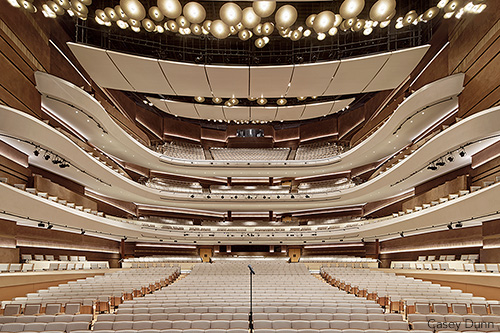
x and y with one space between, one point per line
170 15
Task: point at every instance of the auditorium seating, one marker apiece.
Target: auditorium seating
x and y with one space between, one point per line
250 154
316 151
102 292
173 186
181 150
398 293
215 298
46 265
326 186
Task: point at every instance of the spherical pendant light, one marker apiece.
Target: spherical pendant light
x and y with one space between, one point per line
59 10
182 22
101 15
196 29
452 6
134 23
260 43
219 29
230 13
409 17
310 20
249 18
338 20
324 21
351 8
64 4
333 31
171 25
79 7
194 12
431 13
349 23
121 14
207 24
134 9
28 6
156 14
267 28
244 34
381 10
358 26
258 30
148 25
170 8
264 8
296 35
110 12
286 16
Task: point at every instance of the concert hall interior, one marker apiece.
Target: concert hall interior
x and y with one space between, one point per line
249 166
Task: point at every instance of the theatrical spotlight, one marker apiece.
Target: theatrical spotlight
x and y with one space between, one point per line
440 163
56 160
432 167
402 234
450 158
36 152
46 156
462 152
459 225
50 226
450 226
41 225
63 165
82 232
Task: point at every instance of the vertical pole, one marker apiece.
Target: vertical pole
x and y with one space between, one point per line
250 315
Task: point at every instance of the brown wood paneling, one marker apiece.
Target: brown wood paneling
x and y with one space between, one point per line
350 120
181 129
323 128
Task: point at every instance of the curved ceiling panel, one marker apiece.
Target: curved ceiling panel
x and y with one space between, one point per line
133 69
280 113
348 76
438 99
186 79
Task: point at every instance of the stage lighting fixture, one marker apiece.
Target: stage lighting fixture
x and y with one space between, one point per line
46 156
459 225
292 196
41 225
192 195
307 196
402 234
432 167
208 197
124 238
56 160
440 163
50 226
82 232
462 152
450 226
36 152
450 158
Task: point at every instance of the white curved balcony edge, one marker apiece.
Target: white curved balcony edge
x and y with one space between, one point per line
64 100
30 208
477 131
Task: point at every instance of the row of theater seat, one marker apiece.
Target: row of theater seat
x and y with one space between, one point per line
51 257
258 324
52 266
244 315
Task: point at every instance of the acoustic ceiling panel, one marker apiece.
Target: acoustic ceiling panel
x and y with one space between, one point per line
229 81
144 74
290 112
341 104
186 79
263 113
270 81
210 111
353 75
180 109
398 67
312 79
237 113
317 110
100 67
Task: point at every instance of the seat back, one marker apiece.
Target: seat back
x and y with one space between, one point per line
52 308
12 309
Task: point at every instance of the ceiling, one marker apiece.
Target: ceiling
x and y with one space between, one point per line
122 71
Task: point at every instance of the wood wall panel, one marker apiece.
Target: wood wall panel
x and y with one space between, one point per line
325 127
